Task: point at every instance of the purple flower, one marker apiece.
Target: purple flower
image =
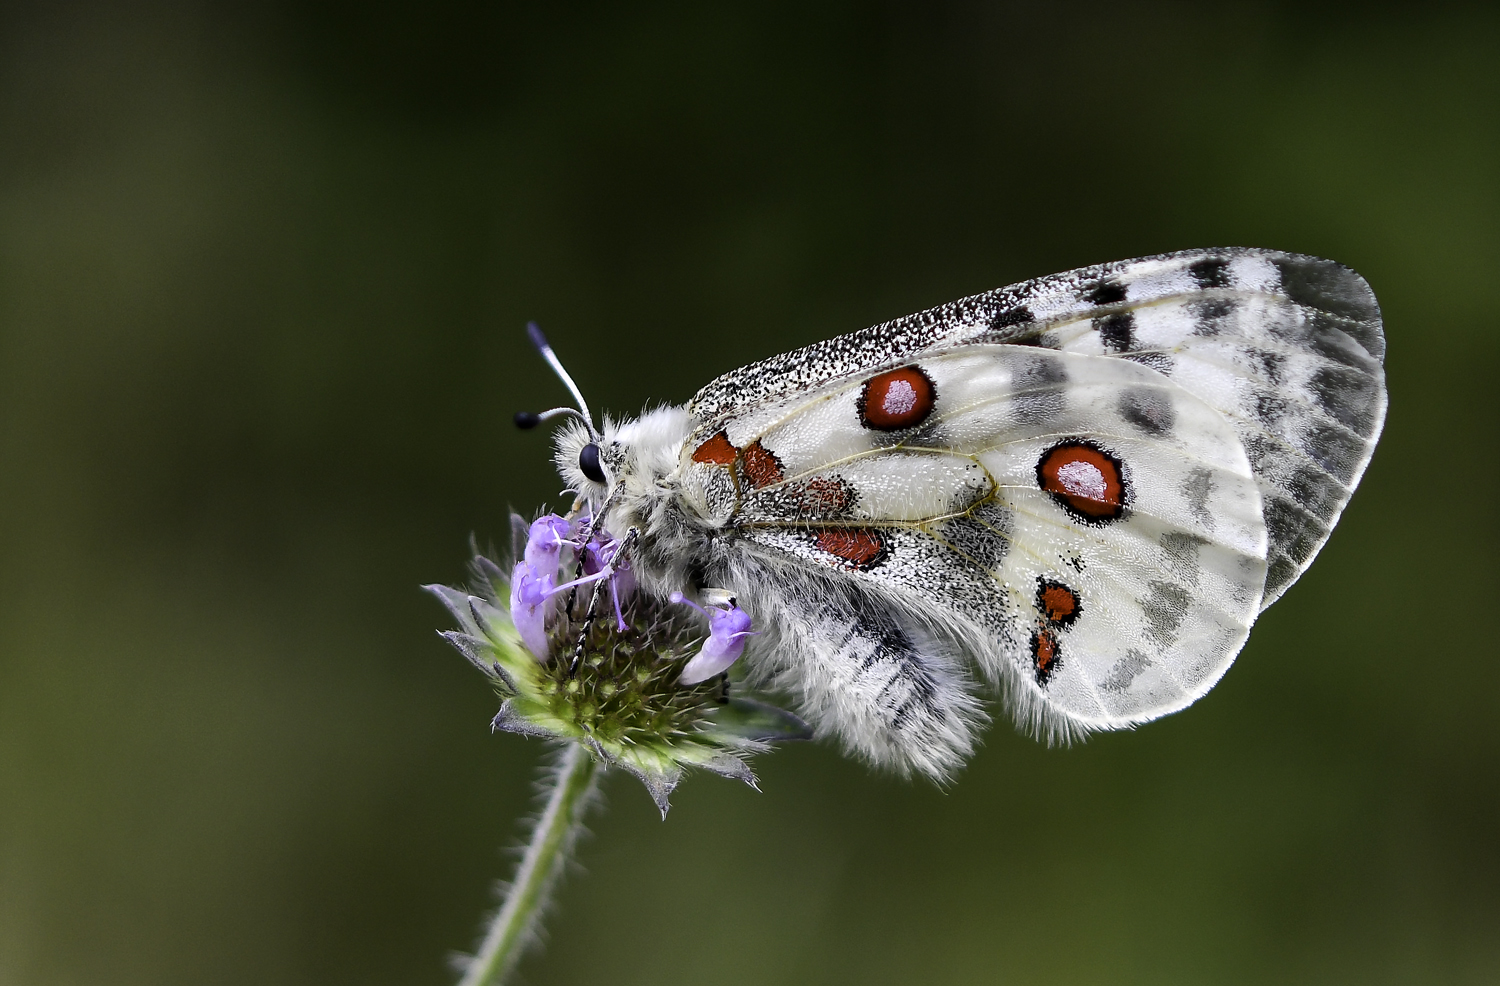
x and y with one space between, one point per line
544 542
728 626
535 580
530 597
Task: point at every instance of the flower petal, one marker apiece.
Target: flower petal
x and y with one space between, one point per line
529 607
709 662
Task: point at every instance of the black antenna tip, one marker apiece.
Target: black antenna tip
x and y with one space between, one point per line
525 420
537 339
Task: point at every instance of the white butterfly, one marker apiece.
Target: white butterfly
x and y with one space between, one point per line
1081 489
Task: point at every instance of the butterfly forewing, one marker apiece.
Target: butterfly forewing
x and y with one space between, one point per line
1288 348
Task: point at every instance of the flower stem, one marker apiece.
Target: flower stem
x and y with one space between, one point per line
571 786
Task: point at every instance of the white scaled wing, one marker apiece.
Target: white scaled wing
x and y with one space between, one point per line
1086 486
1288 348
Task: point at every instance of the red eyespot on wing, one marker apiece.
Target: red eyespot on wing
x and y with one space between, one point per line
896 399
716 450
859 546
1086 480
761 466
1045 658
1058 604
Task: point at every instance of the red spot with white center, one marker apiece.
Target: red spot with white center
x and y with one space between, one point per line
1085 479
896 399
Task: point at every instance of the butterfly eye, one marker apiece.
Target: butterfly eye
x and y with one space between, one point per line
588 461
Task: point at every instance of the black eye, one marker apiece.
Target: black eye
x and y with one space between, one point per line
588 461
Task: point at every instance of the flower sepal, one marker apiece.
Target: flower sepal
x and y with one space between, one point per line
759 722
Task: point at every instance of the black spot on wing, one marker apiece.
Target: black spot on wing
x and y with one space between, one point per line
1269 408
1148 409
1333 448
1038 396
1104 292
1280 573
1040 369
1289 531
1020 315
1316 491
1197 487
1116 332
1180 551
1165 606
1211 272
1209 316
1125 670
1271 365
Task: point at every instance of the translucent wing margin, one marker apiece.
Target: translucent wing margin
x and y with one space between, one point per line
1287 348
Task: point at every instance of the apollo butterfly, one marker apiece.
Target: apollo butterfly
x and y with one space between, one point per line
1080 490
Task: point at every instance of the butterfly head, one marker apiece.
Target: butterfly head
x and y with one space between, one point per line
588 462
629 457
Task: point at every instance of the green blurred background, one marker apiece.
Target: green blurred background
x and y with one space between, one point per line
263 274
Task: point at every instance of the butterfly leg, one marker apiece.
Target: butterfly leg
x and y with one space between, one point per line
610 568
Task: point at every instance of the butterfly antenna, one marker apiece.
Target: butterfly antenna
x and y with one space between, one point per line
526 419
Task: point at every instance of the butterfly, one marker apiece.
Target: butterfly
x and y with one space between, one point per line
1077 492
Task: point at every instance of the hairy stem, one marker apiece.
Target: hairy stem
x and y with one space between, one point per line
571 786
